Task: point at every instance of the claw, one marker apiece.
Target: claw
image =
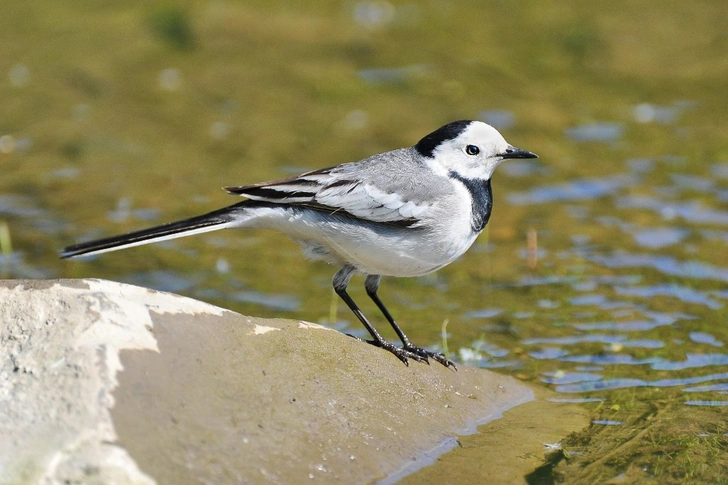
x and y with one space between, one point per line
425 354
410 352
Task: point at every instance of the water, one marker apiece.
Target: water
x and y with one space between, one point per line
602 275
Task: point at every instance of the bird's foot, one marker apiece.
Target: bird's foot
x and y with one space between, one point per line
402 354
427 354
410 352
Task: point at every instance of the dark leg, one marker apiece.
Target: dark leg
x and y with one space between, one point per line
372 285
341 281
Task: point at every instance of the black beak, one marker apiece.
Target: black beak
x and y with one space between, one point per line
513 152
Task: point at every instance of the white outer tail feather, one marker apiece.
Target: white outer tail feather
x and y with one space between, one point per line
166 237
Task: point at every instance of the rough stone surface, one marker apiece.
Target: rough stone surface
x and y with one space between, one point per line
110 383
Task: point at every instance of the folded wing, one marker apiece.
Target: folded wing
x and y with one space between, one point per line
333 191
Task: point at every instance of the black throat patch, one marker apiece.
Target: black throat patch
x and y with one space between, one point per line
427 145
482 200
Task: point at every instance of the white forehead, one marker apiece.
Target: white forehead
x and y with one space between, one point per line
480 134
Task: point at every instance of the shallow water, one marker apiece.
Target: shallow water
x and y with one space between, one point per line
602 274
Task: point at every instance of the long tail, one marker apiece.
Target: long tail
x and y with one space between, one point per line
212 221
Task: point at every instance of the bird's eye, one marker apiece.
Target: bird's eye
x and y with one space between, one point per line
472 150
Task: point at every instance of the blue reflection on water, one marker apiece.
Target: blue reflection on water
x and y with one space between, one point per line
575 399
599 132
652 113
499 119
655 319
658 237
394 75
640 165
714 235
691 212
642 343
719 170
548 353
722 388
523 168
163 280
665 264
620 383
17 205
581 189
705 338
277 302
487 313
611 359
681 292
692 182
569 377
574 339
693 360
288 303
15 264
649 237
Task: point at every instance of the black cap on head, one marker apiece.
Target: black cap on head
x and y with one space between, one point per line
427 145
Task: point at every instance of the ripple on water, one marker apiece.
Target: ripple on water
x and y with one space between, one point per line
691 212
580 189
653 113
599 300
639 343
682 293
163 280
596 132
277 302
693 360
658 237
499 119
486 313
610 359
714 235
475 352
692 182
662 263
575 399
649 237
15 263
548 353
280 302
719 170
396 75
16 205
705 338
653 320
722 388
640 165
575 339
560 377
523 168
621 383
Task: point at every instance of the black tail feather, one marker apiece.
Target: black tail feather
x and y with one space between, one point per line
165 231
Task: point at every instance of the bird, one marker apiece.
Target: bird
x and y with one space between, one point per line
402 213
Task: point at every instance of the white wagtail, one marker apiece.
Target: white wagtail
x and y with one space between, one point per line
407 212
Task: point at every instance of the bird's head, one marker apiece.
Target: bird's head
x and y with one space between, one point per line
470 148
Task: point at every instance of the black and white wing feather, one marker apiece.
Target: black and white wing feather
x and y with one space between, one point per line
333 190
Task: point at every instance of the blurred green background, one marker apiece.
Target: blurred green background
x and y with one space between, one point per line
117 116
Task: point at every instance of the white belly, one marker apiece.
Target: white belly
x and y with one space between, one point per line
393 251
